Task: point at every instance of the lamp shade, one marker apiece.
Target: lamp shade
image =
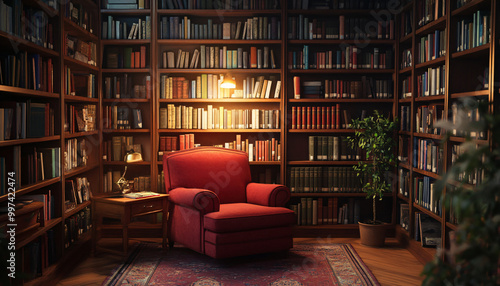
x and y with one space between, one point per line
133 157
228 82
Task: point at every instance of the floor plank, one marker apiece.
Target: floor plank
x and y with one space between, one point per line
391 265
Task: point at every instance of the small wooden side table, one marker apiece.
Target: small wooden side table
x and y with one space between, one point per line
125 209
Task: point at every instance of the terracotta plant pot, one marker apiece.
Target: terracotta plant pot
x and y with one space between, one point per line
372 234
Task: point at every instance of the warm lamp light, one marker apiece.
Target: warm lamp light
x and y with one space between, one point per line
228 82
130 157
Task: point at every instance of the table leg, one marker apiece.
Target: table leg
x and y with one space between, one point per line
125 223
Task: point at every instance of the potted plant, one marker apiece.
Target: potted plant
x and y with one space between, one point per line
374 134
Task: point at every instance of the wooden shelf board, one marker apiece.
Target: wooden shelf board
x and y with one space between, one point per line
68 135
329 195
405 100
430 136
74 98
29 188
404 165
122 163
434 25
24 210
408 133
484 92
451 226
117 131
27 45
427 212
434 62
342 100
429 98
28 92
80 170
217 12
426 173
321 130
339 42
134 100
219 130
48 225
106 70
126 42
329 12
341 71
7 143
400 196
479 51
79 31
126 12
463 139
78 208
79 65
406 70
470 7
406 38
223 71
217 42
325 163
222 100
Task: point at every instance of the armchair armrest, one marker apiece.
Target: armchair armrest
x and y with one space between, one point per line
268 194
202 200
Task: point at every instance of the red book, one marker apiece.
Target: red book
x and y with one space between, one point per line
143 57
185 89
294 117
322 116
313 119
337 116
191 140
137 59
299 117
182 142
341 27
253 57
296 87
308 125
168 143
163 143
273 149
327 123
148 86
132 60
333 125
266 150
303 117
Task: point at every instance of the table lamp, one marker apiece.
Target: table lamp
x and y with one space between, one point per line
228 82
130 157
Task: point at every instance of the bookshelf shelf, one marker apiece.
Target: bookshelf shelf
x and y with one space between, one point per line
404 165
427 173
340 42
121 163
76 209
408 133
470 7
321 130
323 163
463 139
29 188
406 38
48 225
477 52
434 25
146 70
78 65
329 12
80 170
401 197
126 42
341 71
223 100
221 71
429 136
7 143
68 135
470 93
451 226
28 92
427 212
27 45
132 100
405 100
434 62
333 194
217 42
126 12
76 30
73 98
125 131
429 98
219 130
341 100
217 12
406 70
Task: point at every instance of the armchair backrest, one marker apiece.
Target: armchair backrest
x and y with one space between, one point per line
224 171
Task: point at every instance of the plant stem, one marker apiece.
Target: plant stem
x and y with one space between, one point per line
374 211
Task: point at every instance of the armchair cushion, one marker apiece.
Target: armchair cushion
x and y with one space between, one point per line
242 216
202 200
267 194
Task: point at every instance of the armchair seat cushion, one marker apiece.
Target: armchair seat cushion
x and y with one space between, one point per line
243 216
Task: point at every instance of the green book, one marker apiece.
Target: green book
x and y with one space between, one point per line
127 57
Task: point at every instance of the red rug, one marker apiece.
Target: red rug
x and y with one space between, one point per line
305 264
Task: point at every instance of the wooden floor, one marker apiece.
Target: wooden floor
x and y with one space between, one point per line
391 265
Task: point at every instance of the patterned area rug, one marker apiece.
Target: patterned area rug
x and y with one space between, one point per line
305 264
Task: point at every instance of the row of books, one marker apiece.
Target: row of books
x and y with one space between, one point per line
126 57
461 113
27 23
406 58
208 86
48 204
255 28
324 180
427 155
76 225
338 4
122 117
406 23
30 71
81 15
127 86
431 82
473 32
188 117
110 177
258 151
425 194
339 28
473 177
404 182
431 47
76 191
80 84
141 184
347 57
220 57
126 28
75 154
367 87
427 230
169 143
83 51
116 148
125 5
21 120
321 117
331 148
219 5
33 165
80 118
406 87
430 10
324 211
426 116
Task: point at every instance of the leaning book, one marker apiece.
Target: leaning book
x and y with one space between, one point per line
139 195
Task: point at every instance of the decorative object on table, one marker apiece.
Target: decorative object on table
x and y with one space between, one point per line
327 264
130 157
374 134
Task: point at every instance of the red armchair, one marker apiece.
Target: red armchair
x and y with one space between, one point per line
216 210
